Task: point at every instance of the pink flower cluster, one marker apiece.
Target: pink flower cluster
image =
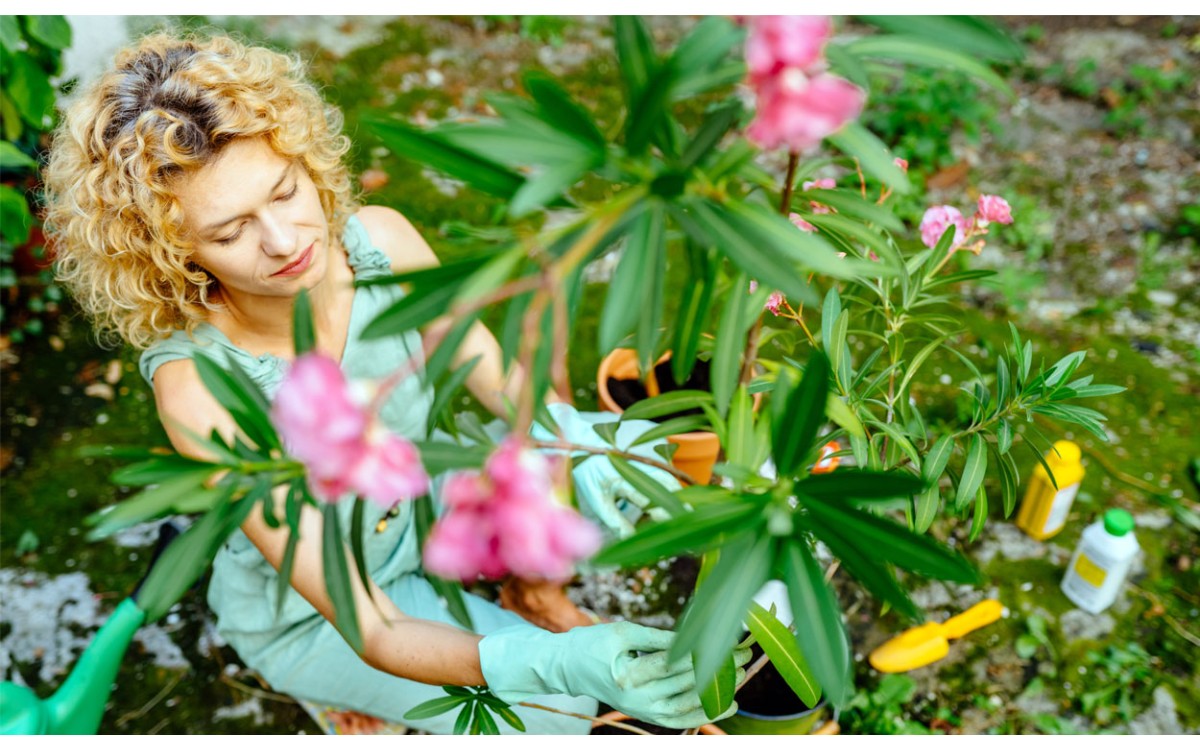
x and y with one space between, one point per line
799 103
937 219
343 448
508 519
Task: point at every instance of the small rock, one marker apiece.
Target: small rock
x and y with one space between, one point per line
1162 297
1080 625
1160 718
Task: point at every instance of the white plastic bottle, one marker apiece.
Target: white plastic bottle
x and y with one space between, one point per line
1101 562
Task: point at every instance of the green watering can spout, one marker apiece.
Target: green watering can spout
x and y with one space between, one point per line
77 706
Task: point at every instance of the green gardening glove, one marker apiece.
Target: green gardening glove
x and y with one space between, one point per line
622 664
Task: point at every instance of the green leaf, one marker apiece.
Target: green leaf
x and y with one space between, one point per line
970 35
926 509
52 31
1009 481
701 53
852 205
447 349
241 397
763 226
972 473
843 416
283 581
839 355
693 423
855 230
562 112
450 592
183 490
692 318
490 275
13 158
186 559
866 564
658 495
15 219
510 717
873 155
818 625
980 513
410 312
831 310
781 647
861 484
693 532
548 185
435 707
898 438
795 427
429 148
933 55
651 292
337 579
893 542
667 403
712 621
304 337
357 552
1092 391
29 89
10 33
1004 436
160 469
740 428
716 695
635 55
915 363
463 722
487 725
716 124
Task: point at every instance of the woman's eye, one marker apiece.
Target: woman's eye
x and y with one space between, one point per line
232 237
290 194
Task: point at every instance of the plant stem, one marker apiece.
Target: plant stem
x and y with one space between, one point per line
563 445
785 202
585 717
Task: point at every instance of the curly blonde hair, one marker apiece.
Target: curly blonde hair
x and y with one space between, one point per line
168 107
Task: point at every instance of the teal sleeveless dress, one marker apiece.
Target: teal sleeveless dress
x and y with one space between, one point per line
298 652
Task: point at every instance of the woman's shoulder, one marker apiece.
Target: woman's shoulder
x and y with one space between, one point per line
396 237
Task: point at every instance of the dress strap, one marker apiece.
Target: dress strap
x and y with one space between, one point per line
367 260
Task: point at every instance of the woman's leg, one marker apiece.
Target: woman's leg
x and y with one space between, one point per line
312 661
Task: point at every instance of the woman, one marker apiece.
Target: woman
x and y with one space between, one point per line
194 190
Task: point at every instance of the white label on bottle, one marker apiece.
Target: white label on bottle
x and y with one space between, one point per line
1059 508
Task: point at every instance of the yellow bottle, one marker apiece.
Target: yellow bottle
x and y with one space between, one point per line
1044 509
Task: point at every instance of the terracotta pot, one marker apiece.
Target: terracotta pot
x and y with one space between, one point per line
697 451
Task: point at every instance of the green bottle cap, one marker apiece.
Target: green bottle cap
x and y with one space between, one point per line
1118 522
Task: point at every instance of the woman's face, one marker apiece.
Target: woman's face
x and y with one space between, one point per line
256 222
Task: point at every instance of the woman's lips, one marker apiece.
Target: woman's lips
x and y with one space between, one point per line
298 266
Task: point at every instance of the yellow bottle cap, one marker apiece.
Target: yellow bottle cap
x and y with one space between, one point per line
1068 453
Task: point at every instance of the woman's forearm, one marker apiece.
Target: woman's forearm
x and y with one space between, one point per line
424 651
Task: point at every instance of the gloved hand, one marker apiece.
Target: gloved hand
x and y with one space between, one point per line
622 664
603 493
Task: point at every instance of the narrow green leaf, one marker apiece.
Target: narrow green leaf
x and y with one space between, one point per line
668 403
621 310
1004 436
710 132
970 35
445 391
487 725
860 484
716 695
52 31
740 428
337 579
926 508
548 185
463 722
712 621
510 717
897 438
873 155
562 112
651 294
855 230
692 318
885 539
304 337
933 55
432 149
635 55
241 397
795 428
851 204
726 365
658 495
283 581
159 469
973 471
831 310
839 355
674 426
867 566
185 487
1009 481
434 707
693 532
843 416
915 363
980 516
357 552
819 629
780 646
412 311
13 159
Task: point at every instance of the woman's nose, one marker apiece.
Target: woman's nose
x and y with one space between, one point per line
278 234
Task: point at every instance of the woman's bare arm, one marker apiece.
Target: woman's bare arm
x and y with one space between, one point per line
394 642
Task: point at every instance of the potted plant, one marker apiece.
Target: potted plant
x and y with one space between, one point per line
682 189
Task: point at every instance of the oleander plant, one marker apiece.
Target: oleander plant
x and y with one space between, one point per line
738 163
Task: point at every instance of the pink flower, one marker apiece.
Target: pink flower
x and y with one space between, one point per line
753 285
508 518
994 208
800 223
799 104
320 424
798 112
937 220
825 183
323 426
777 42
902 163
774 302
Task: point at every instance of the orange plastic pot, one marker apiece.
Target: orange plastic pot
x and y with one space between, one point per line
697 451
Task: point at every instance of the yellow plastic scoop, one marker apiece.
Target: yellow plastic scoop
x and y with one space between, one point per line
927 643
